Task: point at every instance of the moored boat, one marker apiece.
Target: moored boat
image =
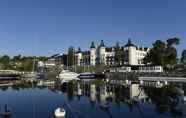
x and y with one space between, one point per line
60 113
66 74
100 75
87 75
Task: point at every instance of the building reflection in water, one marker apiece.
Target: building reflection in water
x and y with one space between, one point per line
105 92
137 92
109 93
79 89
170 98
93 93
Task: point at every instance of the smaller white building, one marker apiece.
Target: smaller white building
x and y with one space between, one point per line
150 69
79 57
50 63
41 64
139 69
121 69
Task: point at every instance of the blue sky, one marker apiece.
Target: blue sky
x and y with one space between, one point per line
46 27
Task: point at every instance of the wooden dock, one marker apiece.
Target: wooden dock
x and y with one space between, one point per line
6 84
163 79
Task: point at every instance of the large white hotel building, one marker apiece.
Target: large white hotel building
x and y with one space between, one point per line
131 61
101 54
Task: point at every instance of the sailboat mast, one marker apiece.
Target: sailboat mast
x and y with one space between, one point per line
84 63
74 60
33 68
67 61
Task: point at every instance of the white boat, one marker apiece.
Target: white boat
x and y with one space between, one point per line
60 113
32 75
68 75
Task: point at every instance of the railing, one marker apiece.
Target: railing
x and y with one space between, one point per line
168 79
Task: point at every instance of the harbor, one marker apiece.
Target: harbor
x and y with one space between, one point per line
92 59
102 90
80 99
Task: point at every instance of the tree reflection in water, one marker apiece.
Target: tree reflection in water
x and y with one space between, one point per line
163 98
166 99
70 90
3 88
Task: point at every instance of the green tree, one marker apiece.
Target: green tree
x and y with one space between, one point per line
183 57
5 62
163 53
25 64
173 41
42 58
171 52
119 55
71 55
20 63
17 58
157 54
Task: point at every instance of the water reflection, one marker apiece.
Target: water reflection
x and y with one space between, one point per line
165 99
114 97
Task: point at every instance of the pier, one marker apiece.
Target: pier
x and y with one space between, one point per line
163 79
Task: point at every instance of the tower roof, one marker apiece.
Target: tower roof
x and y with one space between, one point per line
92 45
102 44
79 50
130 43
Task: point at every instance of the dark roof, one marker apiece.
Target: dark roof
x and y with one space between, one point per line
92 45
102 44
130 44
122 47
55 55
141 48
79 50
59 55
86 52
146 48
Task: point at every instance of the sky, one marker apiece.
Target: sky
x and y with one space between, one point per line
47 27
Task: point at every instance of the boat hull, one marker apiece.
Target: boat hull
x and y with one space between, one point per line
59 113
87 76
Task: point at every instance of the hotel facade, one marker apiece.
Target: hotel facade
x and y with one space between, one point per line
101 54
131 58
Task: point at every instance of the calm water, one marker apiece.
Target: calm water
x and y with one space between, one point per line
79 102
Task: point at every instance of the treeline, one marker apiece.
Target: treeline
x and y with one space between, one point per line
164 53
20 63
